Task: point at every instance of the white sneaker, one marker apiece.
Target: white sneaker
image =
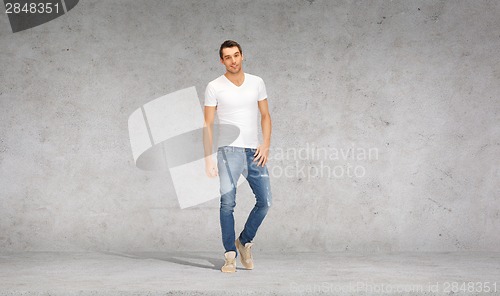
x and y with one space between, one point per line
230 264
245 254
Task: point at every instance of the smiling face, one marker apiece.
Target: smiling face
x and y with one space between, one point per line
232 58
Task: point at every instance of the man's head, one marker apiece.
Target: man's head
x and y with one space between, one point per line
231 56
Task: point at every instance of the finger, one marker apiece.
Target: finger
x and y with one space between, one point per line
259 154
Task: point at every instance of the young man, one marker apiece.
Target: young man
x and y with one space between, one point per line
237 96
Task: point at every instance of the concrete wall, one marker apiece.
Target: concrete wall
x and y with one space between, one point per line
414 83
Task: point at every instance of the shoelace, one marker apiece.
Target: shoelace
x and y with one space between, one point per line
247 250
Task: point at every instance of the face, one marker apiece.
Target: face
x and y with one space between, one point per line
232 58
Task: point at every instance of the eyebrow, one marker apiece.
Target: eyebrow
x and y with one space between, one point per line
228 55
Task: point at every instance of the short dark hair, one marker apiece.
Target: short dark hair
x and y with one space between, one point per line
228 44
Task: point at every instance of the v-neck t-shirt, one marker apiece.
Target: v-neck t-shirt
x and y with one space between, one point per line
237 106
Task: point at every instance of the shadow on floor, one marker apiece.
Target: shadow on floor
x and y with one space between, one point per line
177 258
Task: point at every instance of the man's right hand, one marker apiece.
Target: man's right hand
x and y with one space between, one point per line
211 168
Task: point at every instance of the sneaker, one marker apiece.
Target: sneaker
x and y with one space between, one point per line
230 264
245 254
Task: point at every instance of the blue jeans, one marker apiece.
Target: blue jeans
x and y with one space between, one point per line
232 162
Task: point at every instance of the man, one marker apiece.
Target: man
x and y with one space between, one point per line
237 96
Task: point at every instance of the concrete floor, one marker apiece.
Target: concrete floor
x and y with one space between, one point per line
187 273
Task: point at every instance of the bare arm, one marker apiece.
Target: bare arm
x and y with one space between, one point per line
262 152
210 167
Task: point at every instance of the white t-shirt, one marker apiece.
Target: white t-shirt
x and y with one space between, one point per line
237 106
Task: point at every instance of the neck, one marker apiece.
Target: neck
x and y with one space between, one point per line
235 76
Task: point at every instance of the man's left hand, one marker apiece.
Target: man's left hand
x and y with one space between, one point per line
261 154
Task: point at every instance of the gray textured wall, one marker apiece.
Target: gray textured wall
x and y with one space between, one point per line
416 81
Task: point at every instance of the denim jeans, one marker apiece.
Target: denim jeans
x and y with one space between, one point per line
232 162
